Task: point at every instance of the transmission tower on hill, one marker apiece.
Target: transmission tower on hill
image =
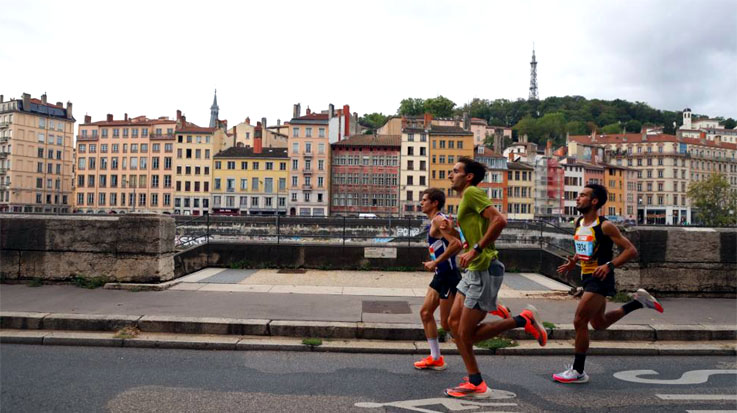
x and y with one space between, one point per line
533 77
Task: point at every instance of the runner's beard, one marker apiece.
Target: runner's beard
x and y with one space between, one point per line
584 209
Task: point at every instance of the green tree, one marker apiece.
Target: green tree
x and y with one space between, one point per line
411 107
730 123
633 126
577 127
440 107
714 201
373 121
612 128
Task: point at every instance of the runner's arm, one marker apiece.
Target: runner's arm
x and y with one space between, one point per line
497 223
628 250
451 235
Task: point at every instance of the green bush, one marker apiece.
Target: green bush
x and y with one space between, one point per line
495 343
89 282
312 342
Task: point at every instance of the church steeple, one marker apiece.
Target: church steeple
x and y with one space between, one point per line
214 111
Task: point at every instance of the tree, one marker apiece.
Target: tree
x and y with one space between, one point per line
411 107
373 121
633 126
577 127
440 107
612 128
730 123
714 201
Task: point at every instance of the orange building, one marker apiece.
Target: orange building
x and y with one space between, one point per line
495 182
125 165
447 145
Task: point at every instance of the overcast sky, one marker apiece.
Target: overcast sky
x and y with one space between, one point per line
154 57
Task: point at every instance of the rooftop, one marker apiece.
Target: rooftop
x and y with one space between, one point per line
248 152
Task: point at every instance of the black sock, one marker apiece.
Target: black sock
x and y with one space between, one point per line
475 379
579 361
521 321
631 306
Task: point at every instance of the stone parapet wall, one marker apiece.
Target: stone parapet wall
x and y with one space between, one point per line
699 261
125 248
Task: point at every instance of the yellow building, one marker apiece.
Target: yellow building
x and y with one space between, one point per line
195 147
447 145
250 181
615 180
36 155
520 190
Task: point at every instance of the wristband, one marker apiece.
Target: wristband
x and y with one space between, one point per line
478 248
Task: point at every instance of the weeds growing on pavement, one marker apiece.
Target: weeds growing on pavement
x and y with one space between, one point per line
442 335
495 343
621 297
35 282
548 325
312 342
127 332
89 282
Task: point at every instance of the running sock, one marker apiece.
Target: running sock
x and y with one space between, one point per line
475 379
631 306
521 321
434 348
579 361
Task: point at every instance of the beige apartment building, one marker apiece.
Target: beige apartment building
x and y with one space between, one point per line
36 155
125 165
520 190
195 148
414 168
309 153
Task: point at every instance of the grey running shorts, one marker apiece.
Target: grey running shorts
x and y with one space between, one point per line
482 287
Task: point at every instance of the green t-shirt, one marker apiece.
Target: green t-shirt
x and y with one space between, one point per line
474 226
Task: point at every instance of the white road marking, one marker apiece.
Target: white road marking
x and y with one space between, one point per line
697 396
689 377
448 403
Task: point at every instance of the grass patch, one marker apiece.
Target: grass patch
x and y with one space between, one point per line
620 297
89 282
495 343
239 265
35 282
127 332
548 325
312 342
442 335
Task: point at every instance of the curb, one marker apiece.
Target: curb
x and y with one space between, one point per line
336 330
256 343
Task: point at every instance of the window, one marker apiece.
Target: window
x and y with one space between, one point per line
295 132
308 132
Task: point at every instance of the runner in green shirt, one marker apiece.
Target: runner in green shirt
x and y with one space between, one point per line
481 224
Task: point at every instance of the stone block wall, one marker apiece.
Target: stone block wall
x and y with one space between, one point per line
124 248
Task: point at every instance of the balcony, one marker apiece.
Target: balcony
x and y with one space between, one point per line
3 170
161 136
4 185
308 154
307 187
4 139
4 155
4 124
81 138
307 171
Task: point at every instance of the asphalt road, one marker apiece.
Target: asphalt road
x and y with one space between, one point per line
90 379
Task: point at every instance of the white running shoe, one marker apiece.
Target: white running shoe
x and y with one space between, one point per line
571 376
647 300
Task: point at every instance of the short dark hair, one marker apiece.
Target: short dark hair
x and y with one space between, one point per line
600 193
435 195
473 167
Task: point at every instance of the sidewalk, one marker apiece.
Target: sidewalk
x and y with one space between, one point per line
340 305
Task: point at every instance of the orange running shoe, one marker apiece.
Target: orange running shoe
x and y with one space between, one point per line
430 363
534 326
466 390
501 311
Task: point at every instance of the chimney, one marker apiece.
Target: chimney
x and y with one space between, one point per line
179 114
125 117
347 117
466 121
87 119
43 98
248 121
511 156
278 122
427 120
331 111
26 102
110 117
2 98
263 122
69 110
549 148
296 110
257 140
184 121
308 111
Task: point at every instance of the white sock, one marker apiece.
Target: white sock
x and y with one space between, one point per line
434 348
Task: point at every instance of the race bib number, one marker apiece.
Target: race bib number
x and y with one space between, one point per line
584 246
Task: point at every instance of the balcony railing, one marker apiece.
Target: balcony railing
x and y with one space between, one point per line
4 124
307 187
3 170
307 171
4 139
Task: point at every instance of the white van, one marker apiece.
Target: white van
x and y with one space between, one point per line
367 216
